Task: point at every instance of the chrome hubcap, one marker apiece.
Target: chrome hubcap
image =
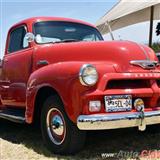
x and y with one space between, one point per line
56 126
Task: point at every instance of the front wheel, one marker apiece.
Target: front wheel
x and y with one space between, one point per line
60 135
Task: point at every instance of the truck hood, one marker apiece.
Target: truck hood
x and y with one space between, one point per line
119 54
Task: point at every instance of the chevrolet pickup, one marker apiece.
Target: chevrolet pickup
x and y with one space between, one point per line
60 73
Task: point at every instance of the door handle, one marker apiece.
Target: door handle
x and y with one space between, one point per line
5 60
42 63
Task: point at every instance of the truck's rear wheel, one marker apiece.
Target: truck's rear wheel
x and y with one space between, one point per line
60 135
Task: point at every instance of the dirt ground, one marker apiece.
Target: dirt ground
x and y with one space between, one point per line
19 142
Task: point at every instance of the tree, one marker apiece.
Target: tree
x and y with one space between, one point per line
158 29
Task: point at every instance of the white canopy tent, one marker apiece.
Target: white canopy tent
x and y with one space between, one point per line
128 12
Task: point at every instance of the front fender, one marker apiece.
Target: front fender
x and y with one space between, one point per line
64 79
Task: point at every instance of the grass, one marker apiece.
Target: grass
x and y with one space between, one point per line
24 142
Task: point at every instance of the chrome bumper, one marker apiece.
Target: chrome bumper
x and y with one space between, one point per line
120 120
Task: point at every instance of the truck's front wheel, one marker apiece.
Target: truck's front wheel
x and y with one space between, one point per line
60 135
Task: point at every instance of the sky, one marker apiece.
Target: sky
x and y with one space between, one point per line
13 11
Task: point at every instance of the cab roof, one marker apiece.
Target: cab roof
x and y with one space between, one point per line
39 19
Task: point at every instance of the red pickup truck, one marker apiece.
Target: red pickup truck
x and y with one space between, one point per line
61 73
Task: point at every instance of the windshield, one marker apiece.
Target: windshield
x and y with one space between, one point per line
59 31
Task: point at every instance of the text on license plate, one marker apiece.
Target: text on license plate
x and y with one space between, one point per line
118 103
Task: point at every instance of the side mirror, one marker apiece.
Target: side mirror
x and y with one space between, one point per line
28 38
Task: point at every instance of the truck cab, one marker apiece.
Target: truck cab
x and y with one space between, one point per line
60 73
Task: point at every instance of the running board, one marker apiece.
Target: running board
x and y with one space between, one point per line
14 115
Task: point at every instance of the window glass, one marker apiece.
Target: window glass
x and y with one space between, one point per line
57 31
16 41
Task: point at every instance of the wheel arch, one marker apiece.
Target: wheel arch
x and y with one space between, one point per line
64 83
40 95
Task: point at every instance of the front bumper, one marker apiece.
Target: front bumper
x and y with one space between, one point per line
118 120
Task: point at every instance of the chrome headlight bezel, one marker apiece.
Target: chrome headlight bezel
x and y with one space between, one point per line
82 75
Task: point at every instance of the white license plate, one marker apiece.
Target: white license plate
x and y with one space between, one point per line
118 103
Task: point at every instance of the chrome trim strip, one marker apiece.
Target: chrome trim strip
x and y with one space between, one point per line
115 121
42 62
12 118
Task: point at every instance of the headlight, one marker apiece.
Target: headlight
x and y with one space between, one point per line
88 75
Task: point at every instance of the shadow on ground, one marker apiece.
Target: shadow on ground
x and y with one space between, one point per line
97 142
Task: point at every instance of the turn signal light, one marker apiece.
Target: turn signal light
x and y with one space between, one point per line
94 106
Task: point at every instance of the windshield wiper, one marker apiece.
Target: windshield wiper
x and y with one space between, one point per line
67 40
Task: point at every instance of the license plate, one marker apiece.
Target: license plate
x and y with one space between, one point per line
118 103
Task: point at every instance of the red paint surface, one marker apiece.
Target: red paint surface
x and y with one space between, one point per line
21 78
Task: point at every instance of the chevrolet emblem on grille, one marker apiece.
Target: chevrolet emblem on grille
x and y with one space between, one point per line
146 64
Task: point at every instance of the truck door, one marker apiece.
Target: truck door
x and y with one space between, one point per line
16 68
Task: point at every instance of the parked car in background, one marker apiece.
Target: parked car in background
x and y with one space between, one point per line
61 74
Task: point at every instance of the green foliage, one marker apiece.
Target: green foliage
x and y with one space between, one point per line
156 47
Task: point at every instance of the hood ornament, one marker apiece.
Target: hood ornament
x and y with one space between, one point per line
145 64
